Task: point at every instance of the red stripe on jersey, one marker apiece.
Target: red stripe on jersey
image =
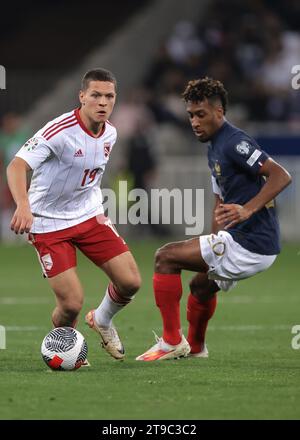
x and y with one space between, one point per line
57 123
60 129
61 124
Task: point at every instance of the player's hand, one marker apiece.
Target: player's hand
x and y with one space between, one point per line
22 219
231 214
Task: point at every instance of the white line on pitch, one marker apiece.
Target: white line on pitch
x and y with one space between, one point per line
7 301
249 328
245 328
16 328
243 299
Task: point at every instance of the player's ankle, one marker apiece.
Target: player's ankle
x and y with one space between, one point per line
196 347
172 339
102 320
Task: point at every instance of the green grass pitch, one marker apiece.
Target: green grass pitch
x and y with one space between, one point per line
252 371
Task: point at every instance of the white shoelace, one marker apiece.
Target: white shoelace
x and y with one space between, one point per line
157 338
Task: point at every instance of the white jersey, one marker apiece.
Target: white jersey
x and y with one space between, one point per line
68 163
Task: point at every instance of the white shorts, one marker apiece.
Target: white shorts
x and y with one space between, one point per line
229 262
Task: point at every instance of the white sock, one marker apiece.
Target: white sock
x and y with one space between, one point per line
108 307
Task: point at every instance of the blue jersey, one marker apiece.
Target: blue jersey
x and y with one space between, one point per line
235 160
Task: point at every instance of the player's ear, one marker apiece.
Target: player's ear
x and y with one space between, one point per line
220 111
81 96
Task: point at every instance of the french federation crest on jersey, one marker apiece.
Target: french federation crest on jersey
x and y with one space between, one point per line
243 148
107 148
217 169
31 144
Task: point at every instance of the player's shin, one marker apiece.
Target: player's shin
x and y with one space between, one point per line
168 292
199 312
111 304
61 319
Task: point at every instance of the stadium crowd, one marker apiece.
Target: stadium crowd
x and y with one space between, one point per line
250 46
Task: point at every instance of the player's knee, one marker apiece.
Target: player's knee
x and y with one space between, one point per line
198 284
202 287
163 258
130 285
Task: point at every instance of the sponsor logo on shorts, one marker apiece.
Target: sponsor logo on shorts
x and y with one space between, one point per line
47 262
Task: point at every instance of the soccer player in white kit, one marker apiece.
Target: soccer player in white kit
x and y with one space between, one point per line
63 208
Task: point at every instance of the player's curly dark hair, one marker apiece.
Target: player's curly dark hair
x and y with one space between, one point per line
211 89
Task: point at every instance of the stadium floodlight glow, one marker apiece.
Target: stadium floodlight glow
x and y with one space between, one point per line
2 338
2 78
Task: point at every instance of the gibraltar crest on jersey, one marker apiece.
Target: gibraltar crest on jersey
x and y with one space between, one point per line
243 148
47 262
107 148
31 144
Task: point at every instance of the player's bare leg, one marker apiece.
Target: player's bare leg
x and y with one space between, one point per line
125 281
124 274
69 298
172 258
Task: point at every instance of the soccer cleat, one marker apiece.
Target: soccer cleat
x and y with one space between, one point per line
109 335
201 354
161 350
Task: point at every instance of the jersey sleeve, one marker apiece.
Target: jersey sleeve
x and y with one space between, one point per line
245 153
35 151
215 187
114 137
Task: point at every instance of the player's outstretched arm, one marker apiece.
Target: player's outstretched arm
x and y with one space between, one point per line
278 178
17 181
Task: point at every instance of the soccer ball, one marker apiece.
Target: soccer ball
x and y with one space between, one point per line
64 348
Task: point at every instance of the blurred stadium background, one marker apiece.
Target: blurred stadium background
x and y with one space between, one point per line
154 47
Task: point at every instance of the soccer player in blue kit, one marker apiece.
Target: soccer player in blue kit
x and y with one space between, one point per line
245 231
